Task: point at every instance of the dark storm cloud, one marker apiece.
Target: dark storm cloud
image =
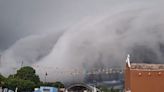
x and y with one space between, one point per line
19 18
110 30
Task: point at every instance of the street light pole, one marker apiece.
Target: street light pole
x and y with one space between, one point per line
46 77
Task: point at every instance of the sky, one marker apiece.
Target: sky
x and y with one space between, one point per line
20 18
78 34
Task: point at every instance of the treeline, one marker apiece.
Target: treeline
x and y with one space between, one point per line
25 80
106 89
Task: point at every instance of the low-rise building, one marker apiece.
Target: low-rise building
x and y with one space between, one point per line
140 77
46 89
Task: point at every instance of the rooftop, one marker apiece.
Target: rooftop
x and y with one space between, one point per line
144 66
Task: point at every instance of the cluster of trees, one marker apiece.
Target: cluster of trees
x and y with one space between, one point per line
25 80
106 89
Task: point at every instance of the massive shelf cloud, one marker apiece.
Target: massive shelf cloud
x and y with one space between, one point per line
96 41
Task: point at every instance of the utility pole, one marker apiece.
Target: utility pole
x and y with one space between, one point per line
46 77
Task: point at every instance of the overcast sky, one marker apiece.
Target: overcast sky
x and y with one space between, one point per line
103 31
20 18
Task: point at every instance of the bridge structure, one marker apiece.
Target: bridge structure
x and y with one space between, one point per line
81 87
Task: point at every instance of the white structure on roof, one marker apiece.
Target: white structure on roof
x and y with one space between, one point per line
128 60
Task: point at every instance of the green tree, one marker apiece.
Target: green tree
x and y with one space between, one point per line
25 80
54 84
22 85
104 88
2 79
58 84
27 73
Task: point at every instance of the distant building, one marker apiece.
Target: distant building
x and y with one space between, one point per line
141 77
46 89
101 75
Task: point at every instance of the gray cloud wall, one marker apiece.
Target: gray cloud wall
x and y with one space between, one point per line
104 39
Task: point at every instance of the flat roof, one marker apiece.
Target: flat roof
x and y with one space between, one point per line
143 66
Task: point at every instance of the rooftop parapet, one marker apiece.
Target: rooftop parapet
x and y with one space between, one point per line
147 66
143 66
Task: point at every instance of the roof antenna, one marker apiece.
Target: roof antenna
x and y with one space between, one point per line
128 60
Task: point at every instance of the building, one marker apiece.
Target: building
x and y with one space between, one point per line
141 77
46 89
81 87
